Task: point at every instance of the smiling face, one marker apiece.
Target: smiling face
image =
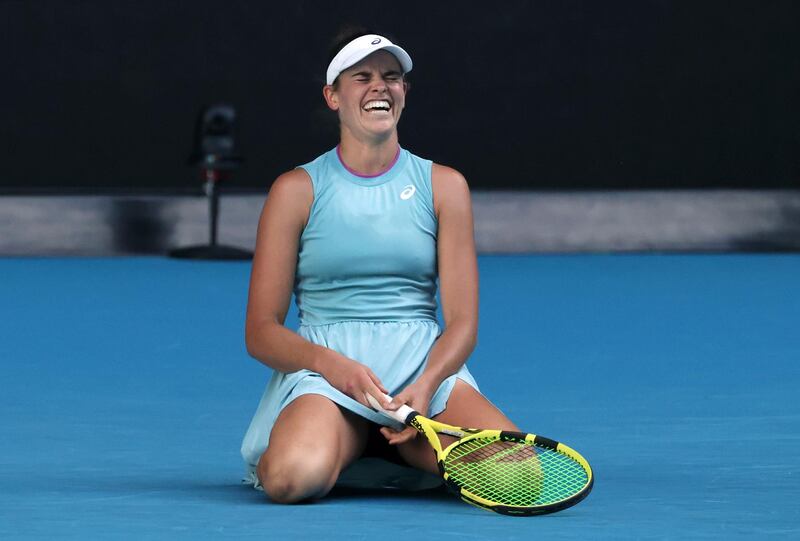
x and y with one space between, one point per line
369 97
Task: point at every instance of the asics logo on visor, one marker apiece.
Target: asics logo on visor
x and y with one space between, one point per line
408 192
376 41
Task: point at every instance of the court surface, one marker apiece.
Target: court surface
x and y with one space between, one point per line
125 390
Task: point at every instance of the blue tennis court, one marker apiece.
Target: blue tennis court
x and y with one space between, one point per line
126 390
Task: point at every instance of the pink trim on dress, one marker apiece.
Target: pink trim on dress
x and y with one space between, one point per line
354 172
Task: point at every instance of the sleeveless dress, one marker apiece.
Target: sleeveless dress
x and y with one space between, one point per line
365 286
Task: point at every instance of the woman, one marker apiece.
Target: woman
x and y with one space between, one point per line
361 233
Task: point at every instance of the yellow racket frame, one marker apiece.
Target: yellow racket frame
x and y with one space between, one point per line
431 428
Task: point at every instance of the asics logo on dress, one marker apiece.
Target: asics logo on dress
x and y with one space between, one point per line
408 192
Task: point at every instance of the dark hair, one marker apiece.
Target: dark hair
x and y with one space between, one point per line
345 35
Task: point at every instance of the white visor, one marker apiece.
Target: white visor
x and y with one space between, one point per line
361 47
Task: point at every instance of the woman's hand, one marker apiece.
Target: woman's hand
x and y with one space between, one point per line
353 379
418 397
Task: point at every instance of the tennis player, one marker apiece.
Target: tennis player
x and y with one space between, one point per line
361 235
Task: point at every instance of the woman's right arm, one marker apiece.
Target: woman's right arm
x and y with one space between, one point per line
283 219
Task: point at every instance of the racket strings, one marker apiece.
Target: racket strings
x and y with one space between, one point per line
514 473
497 451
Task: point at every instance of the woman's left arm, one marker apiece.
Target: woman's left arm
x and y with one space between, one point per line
458 286
458 276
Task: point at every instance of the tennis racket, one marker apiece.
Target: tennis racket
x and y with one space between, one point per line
507 472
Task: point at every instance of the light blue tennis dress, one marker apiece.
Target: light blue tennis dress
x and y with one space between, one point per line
365 286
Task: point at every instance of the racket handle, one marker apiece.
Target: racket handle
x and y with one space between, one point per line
401 414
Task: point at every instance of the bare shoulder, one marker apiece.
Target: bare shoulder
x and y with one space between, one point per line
291 195
450 188
292 185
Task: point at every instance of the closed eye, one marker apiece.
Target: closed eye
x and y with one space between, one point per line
365 77
362 76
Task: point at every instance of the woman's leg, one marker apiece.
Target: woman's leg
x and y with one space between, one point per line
466 407
312 441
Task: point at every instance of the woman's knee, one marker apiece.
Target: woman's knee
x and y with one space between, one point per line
299 474
467 407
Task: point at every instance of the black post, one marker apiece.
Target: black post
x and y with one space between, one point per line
216 154
213 205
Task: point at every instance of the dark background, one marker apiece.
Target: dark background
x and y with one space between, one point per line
102 96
